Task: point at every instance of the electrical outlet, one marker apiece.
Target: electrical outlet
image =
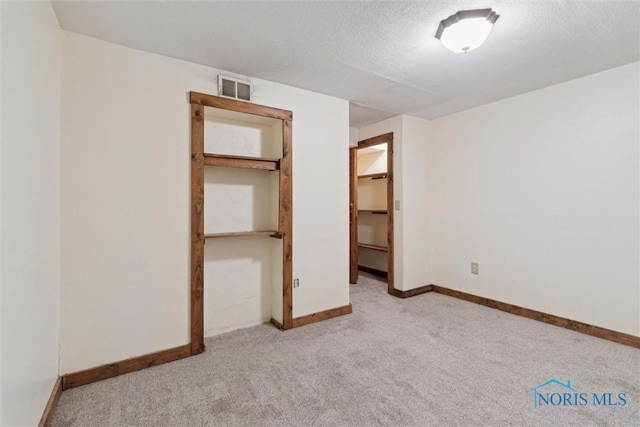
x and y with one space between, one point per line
475 268
397 205
296 283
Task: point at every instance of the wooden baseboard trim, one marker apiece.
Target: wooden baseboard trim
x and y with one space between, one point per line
47 415
373 271
411 292
133 364
277 324
551 319
322 315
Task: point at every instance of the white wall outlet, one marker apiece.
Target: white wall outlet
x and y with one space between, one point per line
296 283
397 205
475 268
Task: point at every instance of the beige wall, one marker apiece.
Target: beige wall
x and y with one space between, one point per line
542 190
412 186
30 176
417 206
125 199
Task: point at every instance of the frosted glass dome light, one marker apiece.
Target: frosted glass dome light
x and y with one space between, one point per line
466 29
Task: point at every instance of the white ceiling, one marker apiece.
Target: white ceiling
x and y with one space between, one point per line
378 55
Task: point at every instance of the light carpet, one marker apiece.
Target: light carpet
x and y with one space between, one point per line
426 360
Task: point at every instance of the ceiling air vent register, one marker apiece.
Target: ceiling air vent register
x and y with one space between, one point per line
234 88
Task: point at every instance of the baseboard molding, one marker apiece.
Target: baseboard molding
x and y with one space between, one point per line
47 415
411 292
373 271
551 319
277 324
110 370
133 364
322 315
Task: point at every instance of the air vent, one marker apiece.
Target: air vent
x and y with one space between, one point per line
234 88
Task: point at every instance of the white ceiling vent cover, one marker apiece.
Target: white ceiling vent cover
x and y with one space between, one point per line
234 88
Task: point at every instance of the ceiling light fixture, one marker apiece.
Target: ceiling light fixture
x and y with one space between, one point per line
466 29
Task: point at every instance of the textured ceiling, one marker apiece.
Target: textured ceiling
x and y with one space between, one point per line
381 55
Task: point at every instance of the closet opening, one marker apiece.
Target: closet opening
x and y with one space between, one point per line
241 221
371 209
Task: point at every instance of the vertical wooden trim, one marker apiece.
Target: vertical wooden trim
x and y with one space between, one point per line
353 215
197 228
285 226
49 410
390 217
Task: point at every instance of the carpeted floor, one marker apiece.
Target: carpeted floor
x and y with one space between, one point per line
426 360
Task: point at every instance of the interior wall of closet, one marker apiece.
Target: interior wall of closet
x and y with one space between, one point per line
242 275
371 207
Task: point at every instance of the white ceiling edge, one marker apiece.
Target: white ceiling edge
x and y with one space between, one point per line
381 56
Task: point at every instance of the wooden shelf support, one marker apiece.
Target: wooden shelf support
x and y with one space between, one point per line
373 247
374 211
269 233
380 175
241 162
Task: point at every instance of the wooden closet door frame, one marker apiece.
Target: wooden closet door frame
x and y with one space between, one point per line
285 221
353 208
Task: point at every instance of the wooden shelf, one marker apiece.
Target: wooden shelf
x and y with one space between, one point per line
270 233
241 162
374 211
373 247
380 175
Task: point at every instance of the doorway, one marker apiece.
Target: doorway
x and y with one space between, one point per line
371 209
